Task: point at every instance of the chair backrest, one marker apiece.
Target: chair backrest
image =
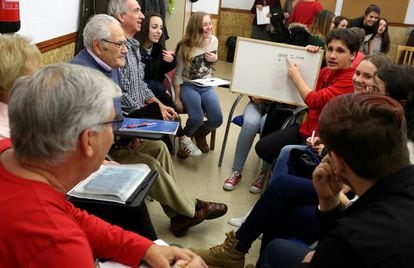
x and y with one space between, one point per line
296 117
168 83
405 55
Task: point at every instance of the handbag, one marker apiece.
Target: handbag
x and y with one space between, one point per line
302 163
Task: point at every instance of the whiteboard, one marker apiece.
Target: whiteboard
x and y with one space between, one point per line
260 70
42 20
237 4
209 6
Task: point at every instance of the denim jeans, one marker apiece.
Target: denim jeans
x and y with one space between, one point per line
285 209
198 101
254 116
281 166
281 253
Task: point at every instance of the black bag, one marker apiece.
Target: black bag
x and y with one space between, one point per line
276 116
302 163
279 32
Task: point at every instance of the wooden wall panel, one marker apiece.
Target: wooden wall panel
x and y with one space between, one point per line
393 11
328 4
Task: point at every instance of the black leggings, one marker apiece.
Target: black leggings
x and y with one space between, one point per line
269 146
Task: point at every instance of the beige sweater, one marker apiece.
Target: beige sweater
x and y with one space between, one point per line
199 67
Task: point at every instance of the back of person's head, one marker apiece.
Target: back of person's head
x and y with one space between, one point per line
97 29
372 8
322 23
398 83
49 110
398 80
338 19
142 35
346 36
18 57
117 7
367 131
380 60
359 34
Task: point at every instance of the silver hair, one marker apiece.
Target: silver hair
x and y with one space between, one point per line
49 110
117 7
97 29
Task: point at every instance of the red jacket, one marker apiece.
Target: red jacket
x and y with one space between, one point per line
330 84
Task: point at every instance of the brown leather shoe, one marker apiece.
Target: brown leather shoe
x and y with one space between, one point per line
204 211
215 210
179 224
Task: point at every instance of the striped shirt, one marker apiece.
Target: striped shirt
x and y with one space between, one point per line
135 92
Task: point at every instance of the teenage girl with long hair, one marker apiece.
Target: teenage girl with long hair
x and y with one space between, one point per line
196 53
381 41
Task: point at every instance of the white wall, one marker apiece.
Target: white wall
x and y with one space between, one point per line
237 4
409 16
42 20
209 6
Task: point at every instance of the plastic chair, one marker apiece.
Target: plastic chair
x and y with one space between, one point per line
170 88
238 120
405 55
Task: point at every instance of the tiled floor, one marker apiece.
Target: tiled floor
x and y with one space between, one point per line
202 178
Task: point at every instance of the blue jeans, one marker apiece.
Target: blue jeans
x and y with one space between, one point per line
285 209
281 166
198 101
254 116
281 253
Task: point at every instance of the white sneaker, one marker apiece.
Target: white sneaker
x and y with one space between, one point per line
187 146
237 222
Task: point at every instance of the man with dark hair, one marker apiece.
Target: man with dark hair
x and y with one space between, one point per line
334 79
376 229
368 22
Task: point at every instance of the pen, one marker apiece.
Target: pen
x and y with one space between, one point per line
141 125
312 137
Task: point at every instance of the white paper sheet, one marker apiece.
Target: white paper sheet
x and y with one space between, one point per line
262 17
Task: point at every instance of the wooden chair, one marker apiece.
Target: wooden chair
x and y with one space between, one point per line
405 55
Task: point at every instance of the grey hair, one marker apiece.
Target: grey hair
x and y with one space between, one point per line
49 110
117 7
97 29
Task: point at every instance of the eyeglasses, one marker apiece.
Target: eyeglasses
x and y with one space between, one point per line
116 123
117 44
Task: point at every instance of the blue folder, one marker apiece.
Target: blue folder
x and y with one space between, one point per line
143 125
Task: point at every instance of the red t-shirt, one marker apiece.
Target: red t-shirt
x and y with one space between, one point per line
40 228
304 12
330 84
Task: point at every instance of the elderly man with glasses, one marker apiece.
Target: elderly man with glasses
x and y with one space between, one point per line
42 165
183 210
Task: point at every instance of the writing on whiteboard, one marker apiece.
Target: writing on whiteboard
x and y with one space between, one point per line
281 57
